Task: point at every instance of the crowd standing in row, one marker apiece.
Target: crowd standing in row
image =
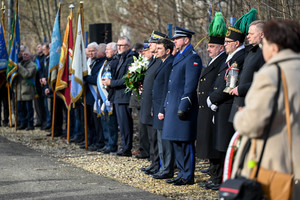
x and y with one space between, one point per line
182 103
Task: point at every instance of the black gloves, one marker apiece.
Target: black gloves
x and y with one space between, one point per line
182 115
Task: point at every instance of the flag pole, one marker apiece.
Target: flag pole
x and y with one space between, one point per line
9 105
53 71
16 110
53 113
7 85
71 7
85 118
68 128
84 88
16 83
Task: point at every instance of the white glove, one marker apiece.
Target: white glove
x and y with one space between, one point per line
107 103
214 107
208 102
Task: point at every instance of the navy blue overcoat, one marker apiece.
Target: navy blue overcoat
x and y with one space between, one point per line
160 88
182 95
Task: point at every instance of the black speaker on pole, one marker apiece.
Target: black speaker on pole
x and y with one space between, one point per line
100 32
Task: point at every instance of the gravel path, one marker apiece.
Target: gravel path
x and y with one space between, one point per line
123 169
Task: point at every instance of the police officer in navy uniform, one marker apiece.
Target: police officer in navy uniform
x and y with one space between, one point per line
146 112
180 125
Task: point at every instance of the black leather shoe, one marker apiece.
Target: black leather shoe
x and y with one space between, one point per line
55 135
183 181
205 171
126 153
212 186
81 143
140 156
145 168
21 127
203 184
93 148
173 180
45 127
29 128
162 176
106 151
101 150
38 125
151 172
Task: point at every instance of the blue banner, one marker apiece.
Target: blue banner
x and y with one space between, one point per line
3 50
54 50
14 48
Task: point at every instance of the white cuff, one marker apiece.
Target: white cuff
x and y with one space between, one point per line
214 107
208 102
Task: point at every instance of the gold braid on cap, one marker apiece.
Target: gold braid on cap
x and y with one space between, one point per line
235 29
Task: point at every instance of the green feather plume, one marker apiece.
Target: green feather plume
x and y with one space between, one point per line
244 21
217 27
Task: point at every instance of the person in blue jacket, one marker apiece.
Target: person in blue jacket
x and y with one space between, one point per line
181 104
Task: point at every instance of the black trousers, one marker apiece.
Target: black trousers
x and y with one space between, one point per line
60 109
125 123
144 140
4 102
216 168
95 132
154 156
38 107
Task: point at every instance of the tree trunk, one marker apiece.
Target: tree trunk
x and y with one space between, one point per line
40 18
34 22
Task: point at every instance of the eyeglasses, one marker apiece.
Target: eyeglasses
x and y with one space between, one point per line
226 42
122 45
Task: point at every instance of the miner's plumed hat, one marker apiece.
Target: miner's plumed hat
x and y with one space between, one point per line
217 29
241 26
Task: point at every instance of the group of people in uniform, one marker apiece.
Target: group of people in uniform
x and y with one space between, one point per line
196 110
185 111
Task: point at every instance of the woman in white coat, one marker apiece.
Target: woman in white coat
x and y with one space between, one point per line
281 48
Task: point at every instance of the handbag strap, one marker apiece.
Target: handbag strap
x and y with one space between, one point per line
287 109
287 114
268 127
266 132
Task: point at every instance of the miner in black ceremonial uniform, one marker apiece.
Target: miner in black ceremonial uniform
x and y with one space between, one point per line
220 101
204 149
253 62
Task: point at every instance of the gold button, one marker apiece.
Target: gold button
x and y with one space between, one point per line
219 74
201 79
202 92
204 79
